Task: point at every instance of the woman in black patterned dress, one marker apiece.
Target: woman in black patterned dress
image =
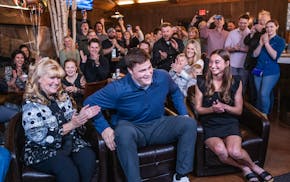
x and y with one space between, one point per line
52 143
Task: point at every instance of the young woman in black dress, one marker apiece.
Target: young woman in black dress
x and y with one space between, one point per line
219 100
74 82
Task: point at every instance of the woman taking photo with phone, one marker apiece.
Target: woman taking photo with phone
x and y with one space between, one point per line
267 71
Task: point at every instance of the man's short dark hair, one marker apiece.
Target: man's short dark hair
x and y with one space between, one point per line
244 16
136 56
23 45
165 24
144 42
98 22
156 30
94 40
85 22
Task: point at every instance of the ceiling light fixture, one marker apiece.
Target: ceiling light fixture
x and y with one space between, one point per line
150 1
117 15
127 2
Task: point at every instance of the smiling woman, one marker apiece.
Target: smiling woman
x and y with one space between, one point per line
50 122
219 101
74 82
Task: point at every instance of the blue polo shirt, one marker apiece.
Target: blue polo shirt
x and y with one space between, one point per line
265 61
135 104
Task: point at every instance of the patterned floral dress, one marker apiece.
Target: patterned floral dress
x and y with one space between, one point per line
43 131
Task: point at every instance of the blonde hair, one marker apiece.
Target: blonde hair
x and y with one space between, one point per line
67 37
181 55
71 39
197 66
197 51
45 67
197 70
264 13
194 29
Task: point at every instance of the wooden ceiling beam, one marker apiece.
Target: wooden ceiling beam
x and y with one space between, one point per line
192 2
104 4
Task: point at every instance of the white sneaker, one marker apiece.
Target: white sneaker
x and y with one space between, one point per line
183 179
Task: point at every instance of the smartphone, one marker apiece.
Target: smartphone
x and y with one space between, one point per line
129 27
199 17
255 21
218 17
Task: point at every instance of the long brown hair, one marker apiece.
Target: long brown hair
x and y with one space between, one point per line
227 79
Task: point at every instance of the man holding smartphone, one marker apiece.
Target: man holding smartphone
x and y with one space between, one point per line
215 37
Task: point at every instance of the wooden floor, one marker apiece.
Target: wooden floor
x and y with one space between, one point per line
278 154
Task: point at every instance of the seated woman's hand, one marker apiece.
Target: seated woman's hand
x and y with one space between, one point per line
84 115
218 107
70 89
89 112
78 120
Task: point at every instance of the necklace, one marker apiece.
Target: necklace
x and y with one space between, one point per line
71 79
96 60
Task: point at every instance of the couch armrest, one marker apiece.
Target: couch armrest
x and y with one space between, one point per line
254 120
99 146
169 112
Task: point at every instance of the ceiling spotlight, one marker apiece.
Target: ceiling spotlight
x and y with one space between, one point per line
117 15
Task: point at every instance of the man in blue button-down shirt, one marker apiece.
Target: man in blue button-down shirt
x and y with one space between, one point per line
139 99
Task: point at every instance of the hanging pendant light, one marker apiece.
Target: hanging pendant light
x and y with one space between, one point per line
117 15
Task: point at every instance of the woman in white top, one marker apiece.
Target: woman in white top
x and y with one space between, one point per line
193 53
69 51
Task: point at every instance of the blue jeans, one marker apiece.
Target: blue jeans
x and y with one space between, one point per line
4 163
264 86
7 112
243 73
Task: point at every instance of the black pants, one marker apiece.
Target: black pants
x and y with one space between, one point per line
76 167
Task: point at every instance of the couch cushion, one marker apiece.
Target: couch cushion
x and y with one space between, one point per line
156 153
156 160
30 174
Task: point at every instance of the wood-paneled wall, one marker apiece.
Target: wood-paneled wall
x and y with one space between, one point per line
21 17
149 16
